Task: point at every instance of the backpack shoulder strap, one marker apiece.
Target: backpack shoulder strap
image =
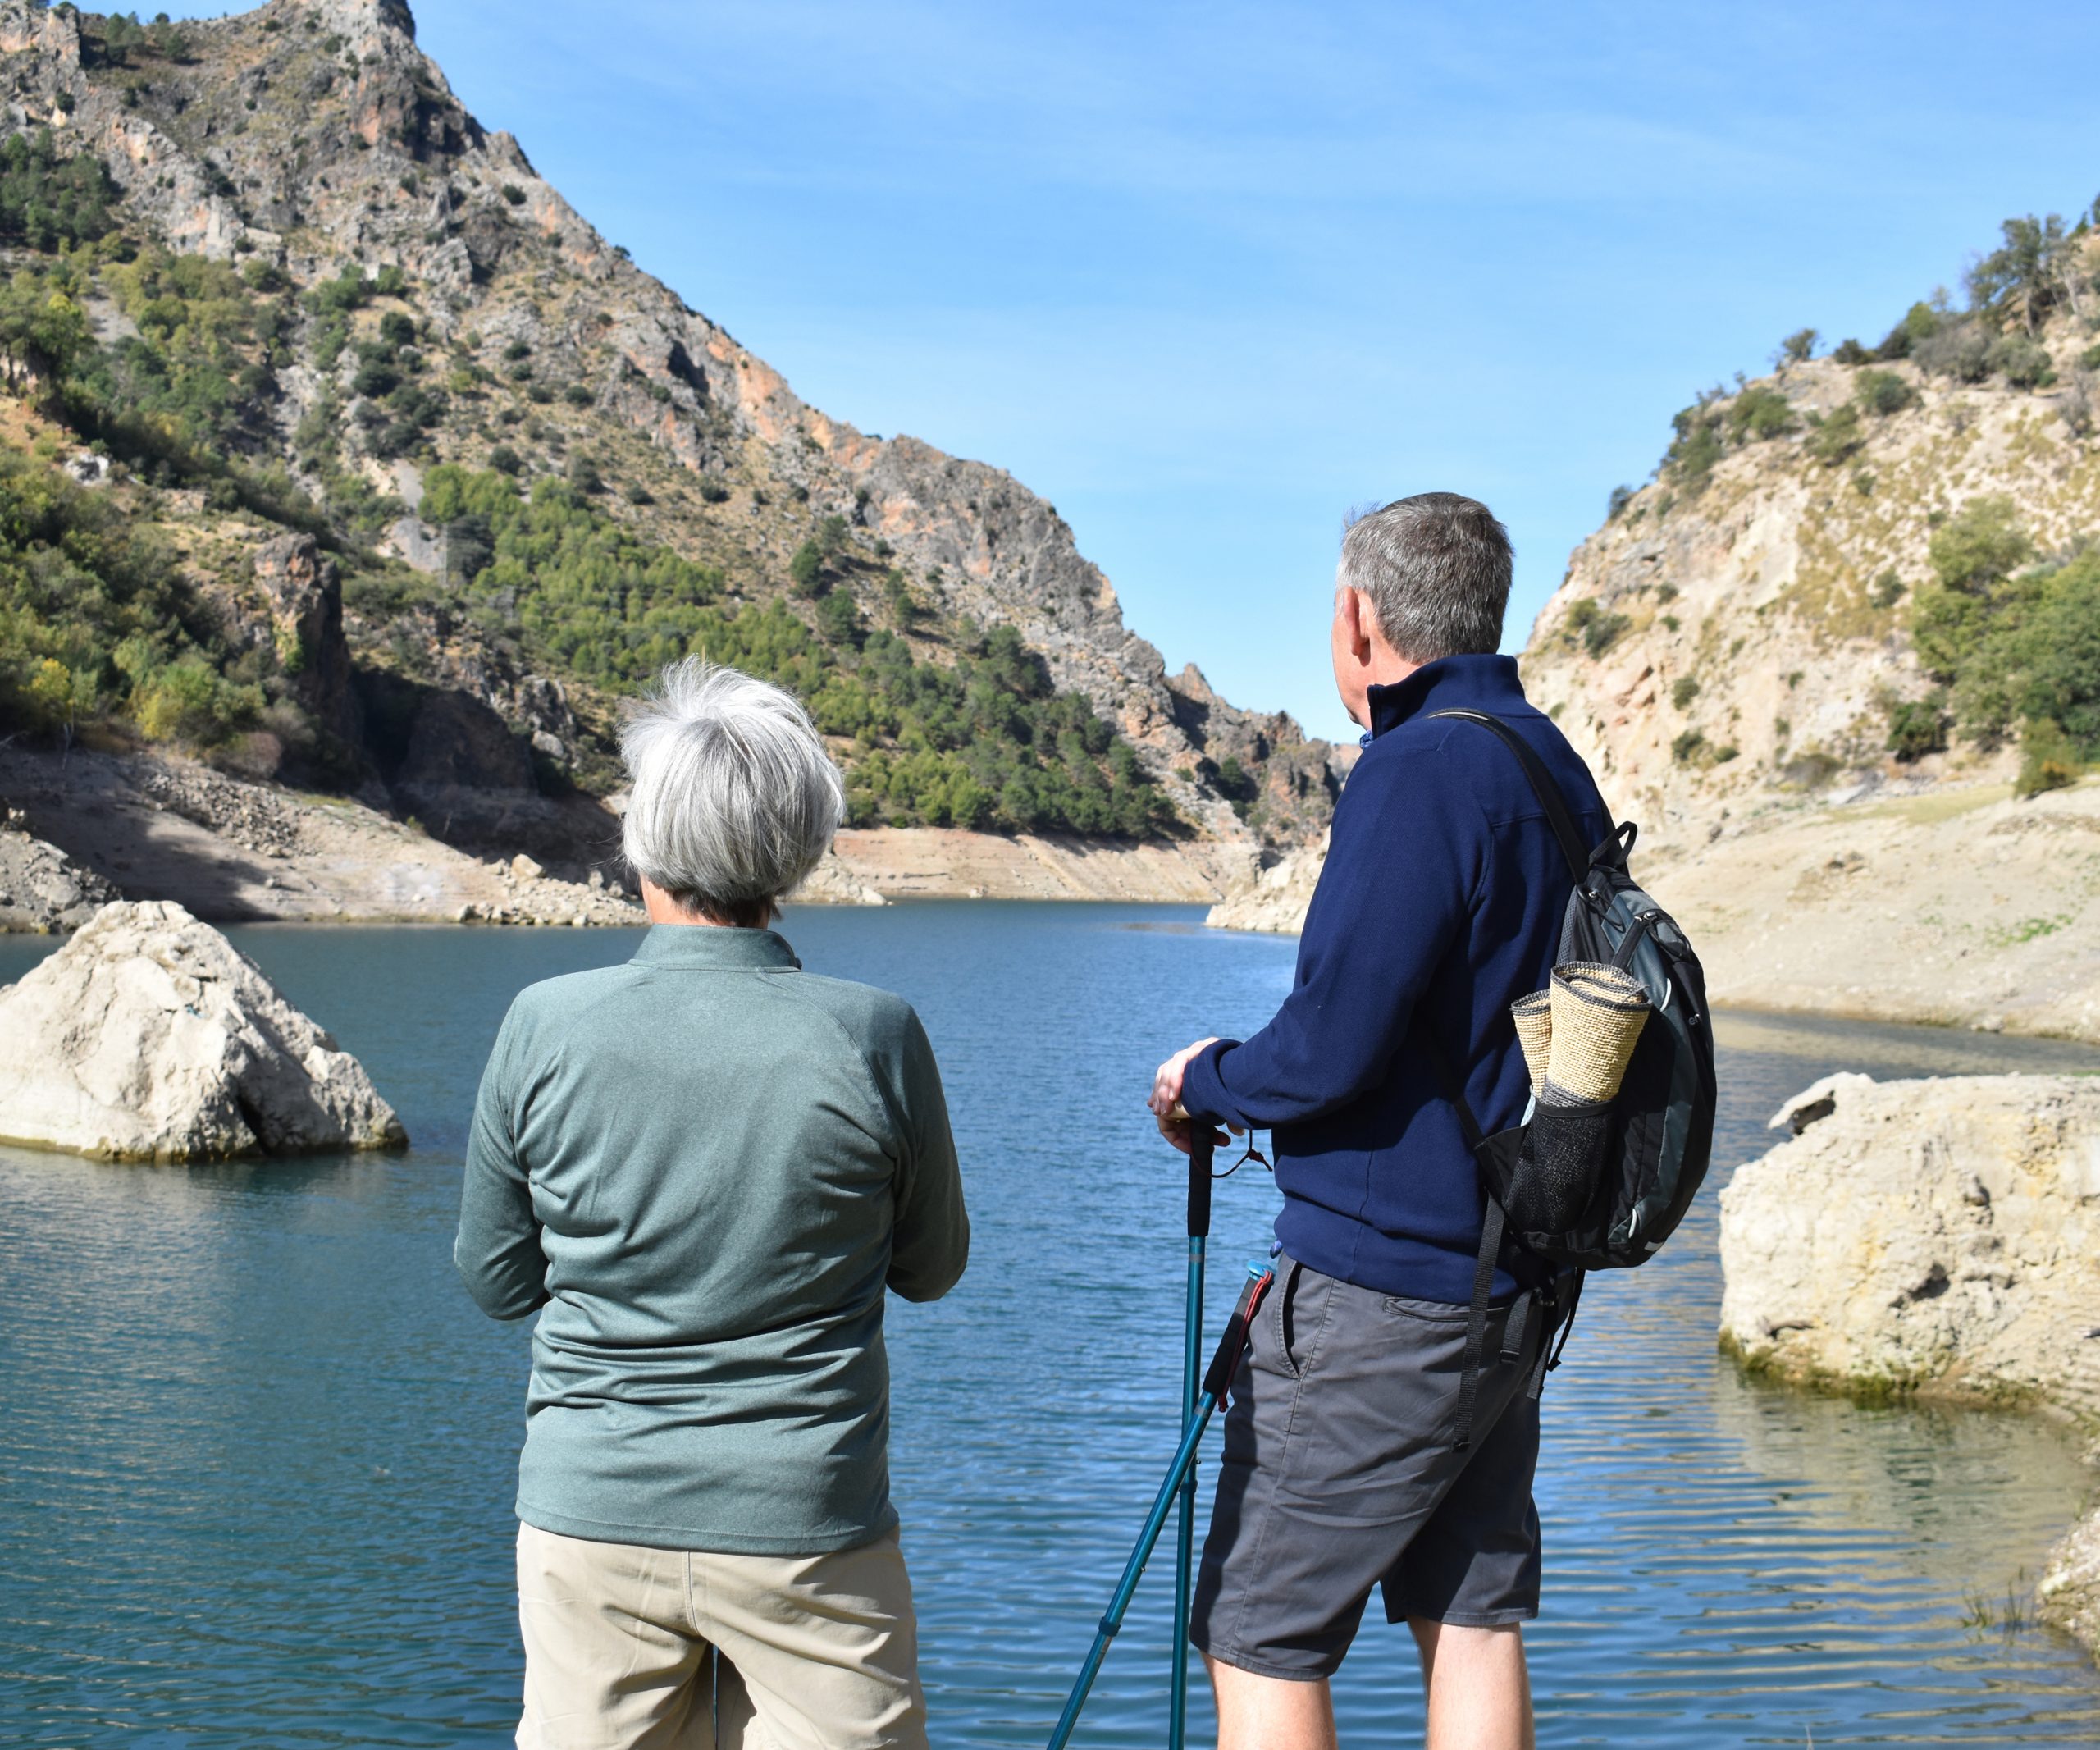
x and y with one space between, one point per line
1543 787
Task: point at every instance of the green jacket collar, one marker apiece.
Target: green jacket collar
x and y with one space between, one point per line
704 948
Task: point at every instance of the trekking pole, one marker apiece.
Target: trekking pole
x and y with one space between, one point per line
1225 1362
1201 1145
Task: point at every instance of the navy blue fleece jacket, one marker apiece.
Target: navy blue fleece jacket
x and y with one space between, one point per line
1440 905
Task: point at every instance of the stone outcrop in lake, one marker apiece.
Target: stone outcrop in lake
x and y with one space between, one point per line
1274 899
1938 1238
149 1037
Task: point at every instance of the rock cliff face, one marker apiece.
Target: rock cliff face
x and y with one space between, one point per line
1274 899
310 138
148 1037
1939 1238
1719 648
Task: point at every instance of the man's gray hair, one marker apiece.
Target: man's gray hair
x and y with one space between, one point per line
1437 570
734 799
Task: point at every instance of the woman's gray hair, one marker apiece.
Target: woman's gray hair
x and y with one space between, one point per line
734 799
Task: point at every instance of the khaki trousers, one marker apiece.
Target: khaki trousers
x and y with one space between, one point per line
632 1648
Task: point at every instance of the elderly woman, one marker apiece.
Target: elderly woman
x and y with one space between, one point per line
707 1165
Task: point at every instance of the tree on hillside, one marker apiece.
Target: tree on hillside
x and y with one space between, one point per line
2035 267
1798 348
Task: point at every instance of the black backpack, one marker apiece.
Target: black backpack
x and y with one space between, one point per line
1593 1188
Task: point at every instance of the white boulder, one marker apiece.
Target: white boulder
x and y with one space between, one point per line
1939 1237
149 1037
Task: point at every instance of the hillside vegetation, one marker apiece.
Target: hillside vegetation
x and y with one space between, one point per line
1877 566
264 276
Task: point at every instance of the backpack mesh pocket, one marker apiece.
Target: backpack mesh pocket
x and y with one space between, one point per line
1554 1178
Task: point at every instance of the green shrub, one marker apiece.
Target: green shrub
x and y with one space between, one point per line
1621 497
1917 727
1849 351
1597 630
1798 347
1886 591
806 570
2022 362
713 491
1759 412
1689 748
1683 690
1834 440
1695 449
1983 544
1921 322
1960 350
2048 760
1881 393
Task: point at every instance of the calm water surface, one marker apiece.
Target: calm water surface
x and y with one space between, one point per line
257 1451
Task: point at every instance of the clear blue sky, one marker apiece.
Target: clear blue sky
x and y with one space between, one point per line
1206 276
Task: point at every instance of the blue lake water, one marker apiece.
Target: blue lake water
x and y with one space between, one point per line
257 1448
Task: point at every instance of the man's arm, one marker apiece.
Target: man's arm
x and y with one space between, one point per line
497 1250
931 1243
1408 852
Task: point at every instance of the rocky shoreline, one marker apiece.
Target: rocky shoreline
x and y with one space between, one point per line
1935 1239
92 826
1951 907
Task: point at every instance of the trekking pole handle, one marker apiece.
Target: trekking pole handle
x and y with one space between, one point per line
1202 1148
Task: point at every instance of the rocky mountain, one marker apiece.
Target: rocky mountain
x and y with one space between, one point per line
1868 572
1838 654
371 466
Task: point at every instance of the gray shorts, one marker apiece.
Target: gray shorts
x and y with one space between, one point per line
1339 1474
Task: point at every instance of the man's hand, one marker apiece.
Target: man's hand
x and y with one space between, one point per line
1166 1102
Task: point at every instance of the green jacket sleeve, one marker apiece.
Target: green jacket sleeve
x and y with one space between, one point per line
931 1242
497 1251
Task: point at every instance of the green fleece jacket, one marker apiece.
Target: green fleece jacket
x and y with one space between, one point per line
705 1167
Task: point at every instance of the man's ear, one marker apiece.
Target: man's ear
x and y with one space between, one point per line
1356 623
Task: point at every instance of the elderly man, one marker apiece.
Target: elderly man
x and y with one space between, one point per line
1440 903
707 1167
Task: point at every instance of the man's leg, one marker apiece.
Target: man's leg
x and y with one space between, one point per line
1479 1694
1268 1713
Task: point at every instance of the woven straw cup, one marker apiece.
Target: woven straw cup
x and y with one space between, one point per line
1534 1018
1598 1013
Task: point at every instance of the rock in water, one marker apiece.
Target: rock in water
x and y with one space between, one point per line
1274 899
1940 1237
149 1037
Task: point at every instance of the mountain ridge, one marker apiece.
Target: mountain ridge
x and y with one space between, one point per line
436 313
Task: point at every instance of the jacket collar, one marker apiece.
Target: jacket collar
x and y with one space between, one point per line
707 949
1484 683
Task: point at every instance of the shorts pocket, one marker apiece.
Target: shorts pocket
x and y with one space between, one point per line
1425 1312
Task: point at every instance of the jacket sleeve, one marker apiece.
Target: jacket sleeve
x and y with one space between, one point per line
497 1250
930 1246
1407 856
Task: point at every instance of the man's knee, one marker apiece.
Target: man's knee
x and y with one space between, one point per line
1256 1712
1471 1643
